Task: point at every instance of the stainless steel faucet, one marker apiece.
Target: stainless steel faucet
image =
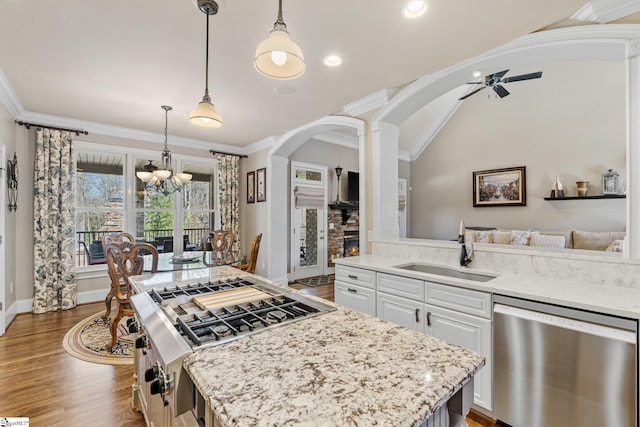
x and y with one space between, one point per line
465 257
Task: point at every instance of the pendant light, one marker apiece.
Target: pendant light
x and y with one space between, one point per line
205 113
278 56
163 180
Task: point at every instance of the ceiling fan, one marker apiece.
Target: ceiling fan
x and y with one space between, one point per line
495 81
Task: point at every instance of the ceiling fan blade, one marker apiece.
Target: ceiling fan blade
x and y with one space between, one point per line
522 77
471 93
476 83
501 91
498 75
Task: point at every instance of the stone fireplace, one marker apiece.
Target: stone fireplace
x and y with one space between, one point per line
343 235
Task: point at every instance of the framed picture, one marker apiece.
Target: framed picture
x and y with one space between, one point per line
251 187
500 187
261 185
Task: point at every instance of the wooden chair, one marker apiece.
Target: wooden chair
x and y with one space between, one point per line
250 267
218 240
125 260
107 239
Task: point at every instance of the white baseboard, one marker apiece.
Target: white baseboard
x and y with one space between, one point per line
10 314
26 305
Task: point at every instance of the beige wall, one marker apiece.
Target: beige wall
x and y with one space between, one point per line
8 138
253 216
570 123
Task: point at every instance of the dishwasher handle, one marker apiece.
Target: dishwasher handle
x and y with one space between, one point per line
567 323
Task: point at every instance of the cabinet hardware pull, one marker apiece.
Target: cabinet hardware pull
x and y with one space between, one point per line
352 276
417 315
428 318
352 290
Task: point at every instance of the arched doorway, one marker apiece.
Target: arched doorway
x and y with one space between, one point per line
278 176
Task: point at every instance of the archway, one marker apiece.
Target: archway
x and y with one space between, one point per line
601 42
278 176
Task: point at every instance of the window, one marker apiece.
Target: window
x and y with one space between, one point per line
173 222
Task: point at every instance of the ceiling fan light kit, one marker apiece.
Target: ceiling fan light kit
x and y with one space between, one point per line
496 80
205 114
278 56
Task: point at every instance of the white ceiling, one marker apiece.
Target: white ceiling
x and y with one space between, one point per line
116 62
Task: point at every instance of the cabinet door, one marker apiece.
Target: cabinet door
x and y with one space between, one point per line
470 332
355 297
401 311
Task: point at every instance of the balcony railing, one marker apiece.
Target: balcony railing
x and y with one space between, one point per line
89 249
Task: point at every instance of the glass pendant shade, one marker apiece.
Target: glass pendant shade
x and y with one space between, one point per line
184 177
205 115
144 176
162 174
279 57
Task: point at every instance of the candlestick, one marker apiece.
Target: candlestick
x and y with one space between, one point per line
461 230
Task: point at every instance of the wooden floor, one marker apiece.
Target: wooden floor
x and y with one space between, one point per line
39 380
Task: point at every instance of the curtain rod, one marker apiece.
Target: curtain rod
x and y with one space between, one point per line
76 131
214 152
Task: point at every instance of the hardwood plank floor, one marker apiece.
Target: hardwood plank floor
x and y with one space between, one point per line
41 381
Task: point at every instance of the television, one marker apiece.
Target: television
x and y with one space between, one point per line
353 186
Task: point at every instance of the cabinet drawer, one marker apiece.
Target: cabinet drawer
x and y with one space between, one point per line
401 286
355 297
356 276
459 299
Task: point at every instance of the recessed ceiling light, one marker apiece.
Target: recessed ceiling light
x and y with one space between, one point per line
332 61
415 8
477 73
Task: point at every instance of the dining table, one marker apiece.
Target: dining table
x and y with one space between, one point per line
190 260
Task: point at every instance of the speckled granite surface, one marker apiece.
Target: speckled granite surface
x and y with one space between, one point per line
340 368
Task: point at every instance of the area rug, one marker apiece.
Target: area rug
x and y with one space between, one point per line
316 280
88 341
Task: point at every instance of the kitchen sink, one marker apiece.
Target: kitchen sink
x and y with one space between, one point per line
445 271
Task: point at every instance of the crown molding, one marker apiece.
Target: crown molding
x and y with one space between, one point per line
9 98
404 155
369 103
126 133
257 146
605 11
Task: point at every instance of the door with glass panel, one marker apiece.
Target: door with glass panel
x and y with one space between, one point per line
308 220
198 204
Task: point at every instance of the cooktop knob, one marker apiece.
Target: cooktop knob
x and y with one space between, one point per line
151 373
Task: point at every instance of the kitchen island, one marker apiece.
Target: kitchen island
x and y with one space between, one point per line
338 368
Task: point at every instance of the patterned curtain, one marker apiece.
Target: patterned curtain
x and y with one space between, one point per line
228 186
53 225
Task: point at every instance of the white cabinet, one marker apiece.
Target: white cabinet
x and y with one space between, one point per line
471 332
356 297
355 288
401 311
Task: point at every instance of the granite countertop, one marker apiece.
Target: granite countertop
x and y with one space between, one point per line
608 299
340 368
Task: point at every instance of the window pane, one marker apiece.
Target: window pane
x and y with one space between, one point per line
198 200
156 227
99 203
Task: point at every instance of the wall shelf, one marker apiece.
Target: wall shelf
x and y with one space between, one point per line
608 196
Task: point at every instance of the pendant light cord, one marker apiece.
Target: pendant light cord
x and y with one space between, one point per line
206 76
280 20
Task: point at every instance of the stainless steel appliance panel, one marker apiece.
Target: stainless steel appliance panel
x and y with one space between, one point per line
554 370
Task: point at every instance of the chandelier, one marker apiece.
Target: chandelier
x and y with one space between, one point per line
163 180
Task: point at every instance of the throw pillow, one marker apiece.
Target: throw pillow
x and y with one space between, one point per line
501 237
595 241
547 241
615 246
519 237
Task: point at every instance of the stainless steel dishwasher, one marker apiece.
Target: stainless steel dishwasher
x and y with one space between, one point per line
557 367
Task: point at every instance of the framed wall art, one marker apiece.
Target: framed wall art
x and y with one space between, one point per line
500 187
261 185
251 187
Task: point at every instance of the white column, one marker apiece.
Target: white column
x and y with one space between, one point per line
632 242
277 215
385 181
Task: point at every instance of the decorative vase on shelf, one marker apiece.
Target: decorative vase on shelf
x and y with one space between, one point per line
582 188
